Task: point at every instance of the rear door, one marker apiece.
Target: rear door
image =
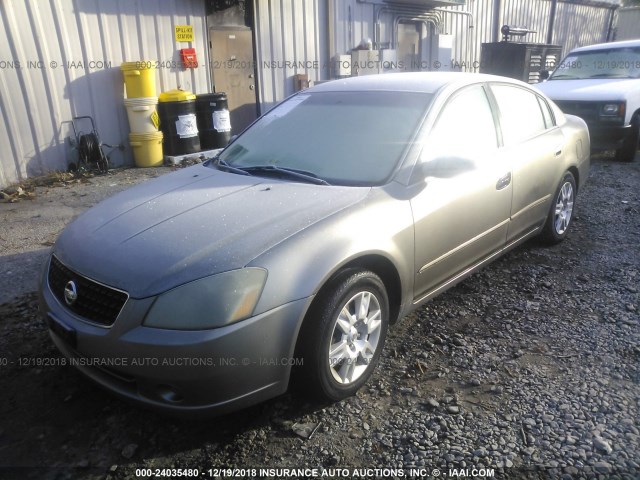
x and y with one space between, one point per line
534 145
462 212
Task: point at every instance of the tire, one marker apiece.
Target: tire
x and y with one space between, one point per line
628 151
352 314
561 211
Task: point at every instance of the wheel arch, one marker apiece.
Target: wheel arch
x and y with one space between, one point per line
376 263
386 270
573 170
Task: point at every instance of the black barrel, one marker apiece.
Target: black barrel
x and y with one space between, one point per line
214 122
179 126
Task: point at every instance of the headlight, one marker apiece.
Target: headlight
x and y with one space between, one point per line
210 302
611 109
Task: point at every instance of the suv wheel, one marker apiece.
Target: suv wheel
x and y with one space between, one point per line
628 151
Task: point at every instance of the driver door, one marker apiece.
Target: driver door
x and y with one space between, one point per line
461 215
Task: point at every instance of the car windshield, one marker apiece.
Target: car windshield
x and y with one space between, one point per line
344 138
610 63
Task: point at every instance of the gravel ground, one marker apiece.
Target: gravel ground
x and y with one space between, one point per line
33 215
529 369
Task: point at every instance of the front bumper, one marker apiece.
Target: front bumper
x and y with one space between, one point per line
607 137
209 371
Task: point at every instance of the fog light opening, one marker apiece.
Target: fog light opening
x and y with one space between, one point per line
169 394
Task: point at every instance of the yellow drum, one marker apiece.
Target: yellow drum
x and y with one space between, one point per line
139 79
147 149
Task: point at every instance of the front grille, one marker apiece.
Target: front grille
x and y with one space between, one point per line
95 302
588 111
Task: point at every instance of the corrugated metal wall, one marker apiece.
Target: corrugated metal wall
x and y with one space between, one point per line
354 22
575 25
291 38
579 25
475 23
628 27
61 58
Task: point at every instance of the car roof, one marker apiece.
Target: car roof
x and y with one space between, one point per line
421 82
608 46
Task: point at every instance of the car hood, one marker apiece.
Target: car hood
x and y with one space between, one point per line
190 224
610 89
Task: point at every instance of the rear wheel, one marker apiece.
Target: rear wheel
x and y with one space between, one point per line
630 147
342 338
561 212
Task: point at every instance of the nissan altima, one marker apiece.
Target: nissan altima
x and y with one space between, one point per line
284 260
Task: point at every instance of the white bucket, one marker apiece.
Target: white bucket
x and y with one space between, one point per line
142 114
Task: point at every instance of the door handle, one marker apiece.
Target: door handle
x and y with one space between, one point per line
504 181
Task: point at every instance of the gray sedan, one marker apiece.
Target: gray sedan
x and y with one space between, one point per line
284 260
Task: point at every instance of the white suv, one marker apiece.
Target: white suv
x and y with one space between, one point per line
601 84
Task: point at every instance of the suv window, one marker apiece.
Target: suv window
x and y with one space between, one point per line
603 63
520 114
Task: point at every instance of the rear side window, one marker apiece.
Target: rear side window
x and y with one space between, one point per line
546 113
520 114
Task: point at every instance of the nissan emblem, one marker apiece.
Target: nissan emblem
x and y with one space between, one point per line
70 293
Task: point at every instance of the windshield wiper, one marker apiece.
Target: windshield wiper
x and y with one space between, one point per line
222 165
290 172
610 75
563 76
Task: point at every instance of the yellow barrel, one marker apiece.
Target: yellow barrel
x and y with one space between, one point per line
147 149
139 79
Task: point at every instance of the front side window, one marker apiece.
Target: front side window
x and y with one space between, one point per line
344 138
464 126
521 116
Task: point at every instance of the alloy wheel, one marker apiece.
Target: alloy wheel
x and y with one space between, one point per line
564 208
355 337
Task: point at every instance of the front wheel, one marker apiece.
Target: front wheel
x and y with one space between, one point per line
341 340
561 212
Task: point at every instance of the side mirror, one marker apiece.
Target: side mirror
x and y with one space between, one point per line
544 75
446 167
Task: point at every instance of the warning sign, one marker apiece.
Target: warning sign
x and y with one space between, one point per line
155 119
184 33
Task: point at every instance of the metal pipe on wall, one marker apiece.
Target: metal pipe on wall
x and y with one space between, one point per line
409 14
469 15
471 26
552 21
331 15
400 18
495 20
612 16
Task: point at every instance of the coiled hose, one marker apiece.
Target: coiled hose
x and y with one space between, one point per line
90 153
